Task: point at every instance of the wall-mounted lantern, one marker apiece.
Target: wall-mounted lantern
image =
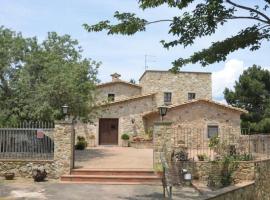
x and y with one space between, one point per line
162 111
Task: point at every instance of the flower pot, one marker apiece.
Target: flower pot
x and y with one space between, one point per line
124 143
9 176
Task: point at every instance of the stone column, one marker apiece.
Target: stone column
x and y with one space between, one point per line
63 147
162 138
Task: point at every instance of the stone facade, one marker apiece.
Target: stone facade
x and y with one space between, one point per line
190 122
130 114
133 101
120 89
178 84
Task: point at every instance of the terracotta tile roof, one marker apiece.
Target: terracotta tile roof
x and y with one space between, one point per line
201 100
128 99
118 81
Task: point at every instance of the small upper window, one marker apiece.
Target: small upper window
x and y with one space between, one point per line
191 96
167 97
212 131
111 97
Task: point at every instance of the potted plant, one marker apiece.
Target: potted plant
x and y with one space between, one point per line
81 143
9 175
39 175
125 140
92 141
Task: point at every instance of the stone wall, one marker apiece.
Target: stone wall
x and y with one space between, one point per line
201 170
237 192
179 84
63 147
62 162
260 189
120 89
262 180
24 168
258 145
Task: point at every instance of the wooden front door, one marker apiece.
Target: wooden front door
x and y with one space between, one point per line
108 131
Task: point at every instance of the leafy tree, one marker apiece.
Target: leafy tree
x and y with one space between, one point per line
41 77
133 81
252 92
203 20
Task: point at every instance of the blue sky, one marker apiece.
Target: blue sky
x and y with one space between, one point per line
125 54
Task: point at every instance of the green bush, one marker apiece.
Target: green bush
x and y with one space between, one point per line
81 143
125 136
214 142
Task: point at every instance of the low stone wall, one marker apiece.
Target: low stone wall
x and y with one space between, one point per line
202 170
245 170
237 192
262 180
24 168
63 156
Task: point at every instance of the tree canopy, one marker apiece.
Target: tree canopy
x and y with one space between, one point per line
201 21
36 79
252 92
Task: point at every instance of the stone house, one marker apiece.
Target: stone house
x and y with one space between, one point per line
133 108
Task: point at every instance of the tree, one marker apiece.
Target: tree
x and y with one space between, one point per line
41 77
252 92
202 21
133 81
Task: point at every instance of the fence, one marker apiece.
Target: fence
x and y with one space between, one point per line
196 142
27 140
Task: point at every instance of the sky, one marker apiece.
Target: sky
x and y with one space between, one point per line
126 54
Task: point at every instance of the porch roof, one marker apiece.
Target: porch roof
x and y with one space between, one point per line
128 99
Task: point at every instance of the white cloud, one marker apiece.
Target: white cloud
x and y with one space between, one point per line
226 77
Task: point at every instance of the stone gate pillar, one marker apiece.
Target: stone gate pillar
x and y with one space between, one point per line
162 139
63 147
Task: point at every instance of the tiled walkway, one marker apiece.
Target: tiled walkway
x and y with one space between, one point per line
114 157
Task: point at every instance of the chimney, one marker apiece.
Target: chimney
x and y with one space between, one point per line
115 77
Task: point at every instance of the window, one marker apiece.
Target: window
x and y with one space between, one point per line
167 97
212 131
111 97
191 96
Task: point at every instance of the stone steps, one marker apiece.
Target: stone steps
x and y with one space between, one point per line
112 176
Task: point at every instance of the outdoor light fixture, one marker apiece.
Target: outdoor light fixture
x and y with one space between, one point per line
187 177
65 111
162 111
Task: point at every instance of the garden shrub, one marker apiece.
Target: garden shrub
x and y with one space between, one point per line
125 136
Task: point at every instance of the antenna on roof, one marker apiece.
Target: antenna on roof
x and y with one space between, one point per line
147 58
